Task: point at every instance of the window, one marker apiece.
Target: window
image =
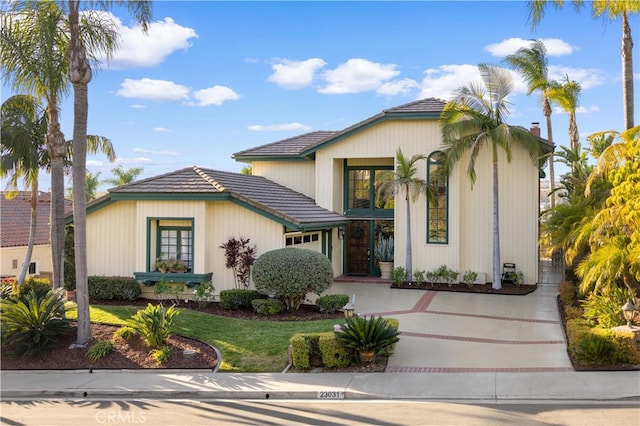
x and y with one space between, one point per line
32 268
370 190
294 240
177 243
438 213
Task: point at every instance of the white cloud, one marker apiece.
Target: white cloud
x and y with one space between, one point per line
153 152
441 82
157 90
395 87
587 77
136 160
138 49
358 75
579 110
279 127
137 106
295 74
554 46
215 95
162 130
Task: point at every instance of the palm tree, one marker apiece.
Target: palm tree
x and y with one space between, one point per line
92 185
567 96
122 176
24 129
34 60
80 75
532 64
475 119
405 178
613 9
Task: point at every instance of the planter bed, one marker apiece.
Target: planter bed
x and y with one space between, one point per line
463 288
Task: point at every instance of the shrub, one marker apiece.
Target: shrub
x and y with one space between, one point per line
5 290
268 306
124 333
239 257
113 288
69 260
160 355
623 347
331 302
469 277
419 277
169 291
594 348
32 324
567 292
99 350
334 355
204 293
305 346
446 275
368 334
399 275
604 308
290 274
40 286
239 299
154 323
572 312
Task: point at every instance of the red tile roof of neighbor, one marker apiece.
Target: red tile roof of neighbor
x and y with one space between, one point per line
15 216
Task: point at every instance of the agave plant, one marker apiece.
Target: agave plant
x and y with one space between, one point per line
373 334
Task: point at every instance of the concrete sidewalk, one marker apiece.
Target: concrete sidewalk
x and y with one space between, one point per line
478 387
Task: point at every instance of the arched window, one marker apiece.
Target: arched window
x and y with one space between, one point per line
438 213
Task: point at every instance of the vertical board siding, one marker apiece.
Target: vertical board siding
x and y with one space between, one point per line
297 175
41 255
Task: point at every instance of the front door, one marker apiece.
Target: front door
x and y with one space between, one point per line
358 248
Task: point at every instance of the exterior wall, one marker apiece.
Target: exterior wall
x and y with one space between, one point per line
41 255
112 246
297 175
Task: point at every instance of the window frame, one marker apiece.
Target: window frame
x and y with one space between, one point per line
154 228
372 210
434 163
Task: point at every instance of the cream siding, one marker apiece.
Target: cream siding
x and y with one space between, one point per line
41 255
297 175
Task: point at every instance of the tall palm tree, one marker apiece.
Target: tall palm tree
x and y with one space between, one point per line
24 129
614 10
406 179
80 74
34 60
532 64
122 176
567 95
475 119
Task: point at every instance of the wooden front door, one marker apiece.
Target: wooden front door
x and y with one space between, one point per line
358 248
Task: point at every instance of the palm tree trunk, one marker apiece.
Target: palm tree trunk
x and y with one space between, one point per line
497 281
627 72
32 232
552 174
409 259
80 76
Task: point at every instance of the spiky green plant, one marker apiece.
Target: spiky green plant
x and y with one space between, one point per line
33 323
154 323
99 350
368 334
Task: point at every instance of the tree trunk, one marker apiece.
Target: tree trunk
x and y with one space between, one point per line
409 254
627 73
574 136
497 278
552 175
80 76
32 232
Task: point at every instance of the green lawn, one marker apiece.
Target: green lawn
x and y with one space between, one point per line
246 346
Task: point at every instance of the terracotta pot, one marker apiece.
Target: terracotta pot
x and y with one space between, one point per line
367 357
385 270
71 296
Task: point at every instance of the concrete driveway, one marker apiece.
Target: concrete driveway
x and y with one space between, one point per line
465 332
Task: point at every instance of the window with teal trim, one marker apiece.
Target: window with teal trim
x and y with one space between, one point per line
176 243
438 212
369 190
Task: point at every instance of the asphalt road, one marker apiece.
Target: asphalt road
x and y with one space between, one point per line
299 412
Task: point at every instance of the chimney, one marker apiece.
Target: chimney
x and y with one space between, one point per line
535 129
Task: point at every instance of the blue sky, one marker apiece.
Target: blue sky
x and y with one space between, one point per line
213 78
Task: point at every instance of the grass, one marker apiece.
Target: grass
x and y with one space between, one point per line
246 346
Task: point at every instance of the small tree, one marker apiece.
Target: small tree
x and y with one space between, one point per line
290 274
239 257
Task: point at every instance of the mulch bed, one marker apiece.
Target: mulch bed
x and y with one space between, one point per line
509 289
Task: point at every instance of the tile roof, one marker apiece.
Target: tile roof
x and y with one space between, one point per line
15 217
255 191
300 146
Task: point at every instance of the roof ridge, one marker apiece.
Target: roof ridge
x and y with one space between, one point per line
209 179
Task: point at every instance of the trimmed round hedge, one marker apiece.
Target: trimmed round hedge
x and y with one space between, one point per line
291 273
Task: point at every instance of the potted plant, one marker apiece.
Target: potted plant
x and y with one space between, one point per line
384 255
368 337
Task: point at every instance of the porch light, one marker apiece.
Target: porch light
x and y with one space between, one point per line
349 309
341 232
628 310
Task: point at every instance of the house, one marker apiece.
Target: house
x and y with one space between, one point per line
318 191
15 222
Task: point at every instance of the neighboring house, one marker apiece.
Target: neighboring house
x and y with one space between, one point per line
14 228
318 191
